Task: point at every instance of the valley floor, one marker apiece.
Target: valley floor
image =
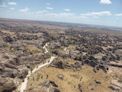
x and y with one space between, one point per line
90 81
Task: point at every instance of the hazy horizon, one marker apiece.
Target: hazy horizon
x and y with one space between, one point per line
97 12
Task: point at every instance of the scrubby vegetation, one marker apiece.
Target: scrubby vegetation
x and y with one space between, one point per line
87 61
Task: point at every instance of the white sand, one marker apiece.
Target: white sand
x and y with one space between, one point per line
23 86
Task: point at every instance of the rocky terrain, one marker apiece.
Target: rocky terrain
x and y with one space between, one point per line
87 59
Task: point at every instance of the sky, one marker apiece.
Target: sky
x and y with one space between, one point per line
96 12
